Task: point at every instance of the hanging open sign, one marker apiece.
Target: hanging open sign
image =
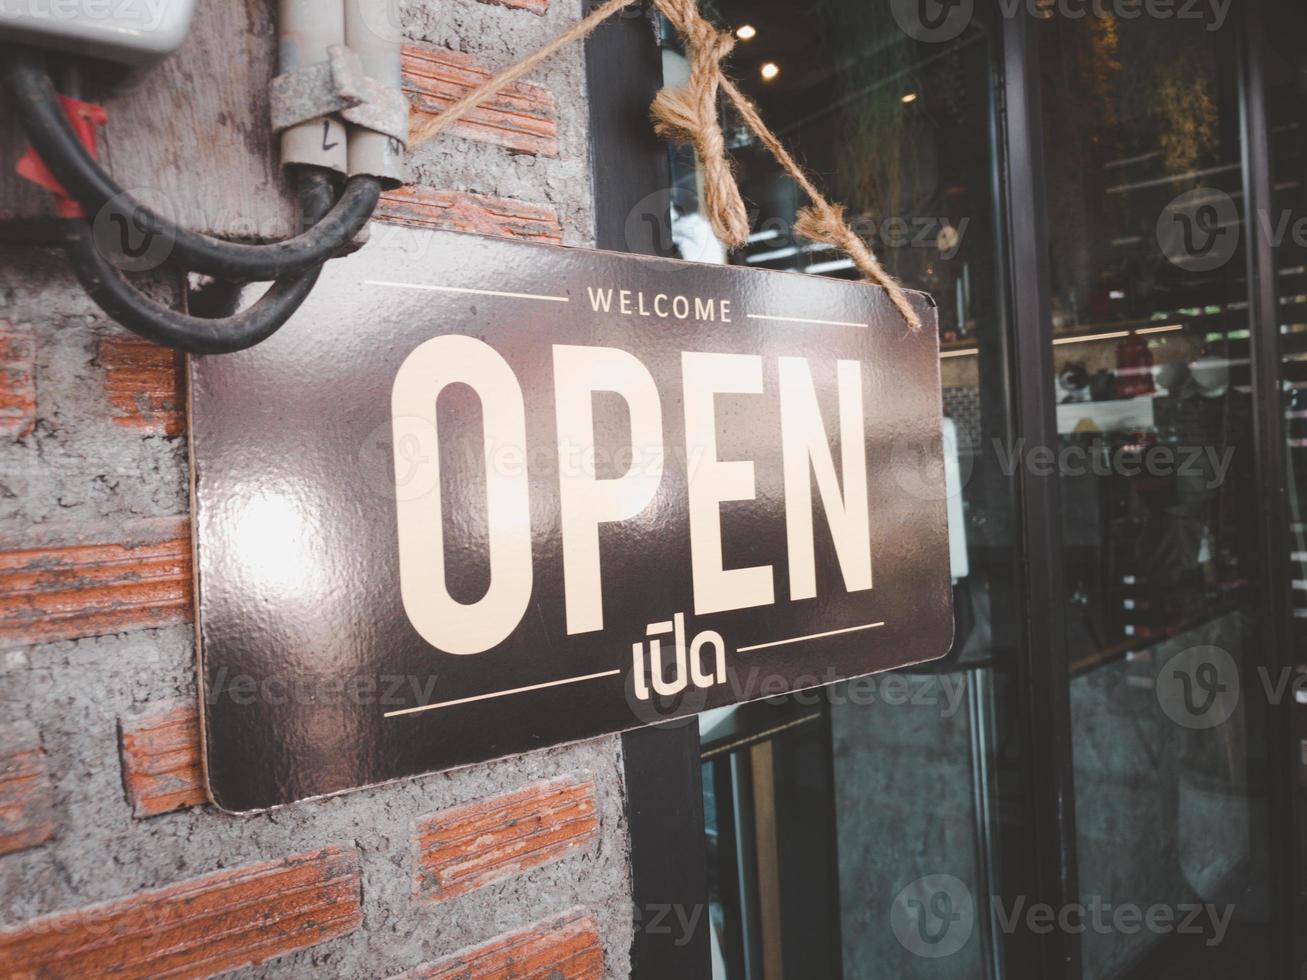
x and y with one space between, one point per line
480 497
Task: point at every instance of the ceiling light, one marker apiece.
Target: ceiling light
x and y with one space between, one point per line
769 71
747 32
910 97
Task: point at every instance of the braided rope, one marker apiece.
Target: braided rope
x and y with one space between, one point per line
689 115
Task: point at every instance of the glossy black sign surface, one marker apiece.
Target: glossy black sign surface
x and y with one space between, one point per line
476 492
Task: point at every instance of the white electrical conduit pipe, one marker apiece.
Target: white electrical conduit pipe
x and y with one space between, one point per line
373 35
305 30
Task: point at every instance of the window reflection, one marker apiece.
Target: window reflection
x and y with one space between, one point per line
1286 98
819 817
1155 453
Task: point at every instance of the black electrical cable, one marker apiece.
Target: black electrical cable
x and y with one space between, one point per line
42 115
114 294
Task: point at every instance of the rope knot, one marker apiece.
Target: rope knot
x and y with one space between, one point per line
689 115
821 222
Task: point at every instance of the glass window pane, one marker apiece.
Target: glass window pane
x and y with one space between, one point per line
1286 71
1155 452
857 811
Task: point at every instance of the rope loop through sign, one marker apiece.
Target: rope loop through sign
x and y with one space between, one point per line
689 115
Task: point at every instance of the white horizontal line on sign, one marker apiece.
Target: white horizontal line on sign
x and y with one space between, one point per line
799 319
811 636
500 694
462 289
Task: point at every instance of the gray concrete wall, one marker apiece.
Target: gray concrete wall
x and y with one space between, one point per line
80 475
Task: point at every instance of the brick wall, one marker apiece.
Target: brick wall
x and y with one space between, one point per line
110 859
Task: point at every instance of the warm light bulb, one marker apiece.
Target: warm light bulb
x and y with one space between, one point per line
770 71
747 32
910 97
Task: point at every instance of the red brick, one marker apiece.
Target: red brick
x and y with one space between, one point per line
497 837
222 921
522 117
143 384
424 207
26 796
17 381
566 948
90 588
535 6
161 759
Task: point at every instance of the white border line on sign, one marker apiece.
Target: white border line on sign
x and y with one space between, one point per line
812 636
499 694
799 319
462 289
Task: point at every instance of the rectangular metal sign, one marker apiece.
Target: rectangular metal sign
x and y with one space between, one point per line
480 497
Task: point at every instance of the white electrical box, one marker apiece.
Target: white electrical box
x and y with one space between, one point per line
132 31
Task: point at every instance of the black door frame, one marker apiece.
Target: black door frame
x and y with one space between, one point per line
1271 455
663 781
1042 668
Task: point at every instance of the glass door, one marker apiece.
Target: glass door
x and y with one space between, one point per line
974 819
1286 227
1282 240
858 831
1161 538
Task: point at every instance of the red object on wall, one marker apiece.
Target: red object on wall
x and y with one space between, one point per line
161 764
85 118
137 577
198 928
487 840
26 794
17 381
568 946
